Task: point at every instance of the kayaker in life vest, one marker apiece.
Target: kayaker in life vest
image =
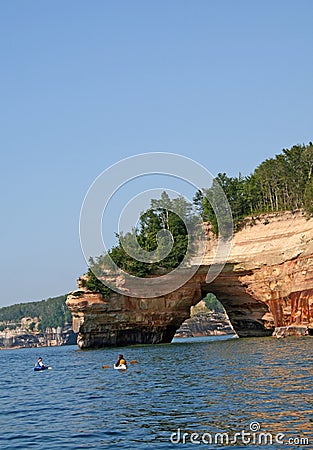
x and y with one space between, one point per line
120 361
40 364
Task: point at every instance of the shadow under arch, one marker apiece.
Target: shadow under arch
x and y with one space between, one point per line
248 316
207 318
120 320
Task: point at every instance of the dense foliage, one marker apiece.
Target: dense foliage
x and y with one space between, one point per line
213 304
158 244
282 183
51 312
92 283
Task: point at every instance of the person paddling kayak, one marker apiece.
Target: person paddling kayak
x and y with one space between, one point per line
121 361
40 365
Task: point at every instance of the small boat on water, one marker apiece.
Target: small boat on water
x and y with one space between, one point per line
38 368
120 367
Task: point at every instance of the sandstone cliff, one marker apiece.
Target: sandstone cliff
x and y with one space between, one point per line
205 324
22 337
267 282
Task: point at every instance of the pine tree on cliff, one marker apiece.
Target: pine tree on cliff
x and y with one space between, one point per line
278 184
165 214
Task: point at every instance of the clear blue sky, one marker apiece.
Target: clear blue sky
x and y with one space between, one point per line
84 84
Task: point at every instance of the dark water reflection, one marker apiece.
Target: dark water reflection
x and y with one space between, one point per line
218 386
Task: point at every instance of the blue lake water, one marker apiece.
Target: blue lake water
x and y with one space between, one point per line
203 386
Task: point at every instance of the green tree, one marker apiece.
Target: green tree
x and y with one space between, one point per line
277 184
213 304
51 312
308 196
92 283
166 225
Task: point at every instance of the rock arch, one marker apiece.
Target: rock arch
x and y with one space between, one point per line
266 283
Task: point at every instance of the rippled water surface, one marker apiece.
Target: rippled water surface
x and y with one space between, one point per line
204 387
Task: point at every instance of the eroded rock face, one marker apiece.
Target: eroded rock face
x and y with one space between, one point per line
266 283
205 324
124 320
23 338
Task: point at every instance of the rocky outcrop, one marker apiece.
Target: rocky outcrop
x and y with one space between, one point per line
23 338
292 330
267 282
123 320
205 324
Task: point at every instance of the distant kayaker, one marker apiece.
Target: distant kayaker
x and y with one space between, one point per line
121 361
40 365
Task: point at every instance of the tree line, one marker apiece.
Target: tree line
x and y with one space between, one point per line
159 243
52 313
284 182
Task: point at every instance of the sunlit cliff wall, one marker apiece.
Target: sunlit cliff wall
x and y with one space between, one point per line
267 282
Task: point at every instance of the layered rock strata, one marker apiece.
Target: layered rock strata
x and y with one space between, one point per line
267 282
124 320
205 324
24 338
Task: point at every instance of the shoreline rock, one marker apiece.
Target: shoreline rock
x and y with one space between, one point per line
293 330
21 338
266 283
205 324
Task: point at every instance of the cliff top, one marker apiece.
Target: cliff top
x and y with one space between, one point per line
268 239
